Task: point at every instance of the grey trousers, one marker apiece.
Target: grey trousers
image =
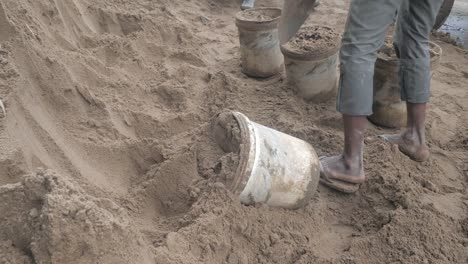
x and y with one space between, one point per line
365 32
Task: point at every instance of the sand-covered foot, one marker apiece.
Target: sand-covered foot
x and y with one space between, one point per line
409 145
247 4
336 168
338 174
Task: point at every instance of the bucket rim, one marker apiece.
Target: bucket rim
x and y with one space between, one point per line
258 25
312 55
436 48
247 153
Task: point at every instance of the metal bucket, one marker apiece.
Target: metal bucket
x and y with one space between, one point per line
313 74
388 109
274 168
259 43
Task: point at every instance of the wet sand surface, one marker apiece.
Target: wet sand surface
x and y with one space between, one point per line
457 23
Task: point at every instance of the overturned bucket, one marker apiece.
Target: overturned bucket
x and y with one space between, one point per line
388 109
274 168
259 43
311 62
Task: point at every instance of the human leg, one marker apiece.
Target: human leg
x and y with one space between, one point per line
411 41
365 32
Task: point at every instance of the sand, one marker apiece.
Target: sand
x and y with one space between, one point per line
314 40
108 104
261 15
387 52
218 150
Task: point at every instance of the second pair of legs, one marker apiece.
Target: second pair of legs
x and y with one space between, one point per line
365 32
346 171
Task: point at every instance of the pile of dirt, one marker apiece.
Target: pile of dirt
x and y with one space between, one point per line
218 152
259 15
225 135
115 99
314 39
49 219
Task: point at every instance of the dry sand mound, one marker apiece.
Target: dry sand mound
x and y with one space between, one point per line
114 97
50 219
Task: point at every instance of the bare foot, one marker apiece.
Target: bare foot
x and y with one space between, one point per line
410 145
338 168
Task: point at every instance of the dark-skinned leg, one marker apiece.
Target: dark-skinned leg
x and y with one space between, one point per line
412 141
414 24
348 166
364 34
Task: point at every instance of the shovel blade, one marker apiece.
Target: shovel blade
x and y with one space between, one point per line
294 13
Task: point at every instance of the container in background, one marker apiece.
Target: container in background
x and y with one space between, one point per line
388 109
259 44
311 62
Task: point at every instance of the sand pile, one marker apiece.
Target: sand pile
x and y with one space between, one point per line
114 98
47 219
259 15
219 152
314 40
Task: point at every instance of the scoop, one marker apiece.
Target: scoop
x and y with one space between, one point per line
295 12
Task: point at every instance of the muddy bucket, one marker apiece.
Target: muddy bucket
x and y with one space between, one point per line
311 62
259 43
274 168
389 110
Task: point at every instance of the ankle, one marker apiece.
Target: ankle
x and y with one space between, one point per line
353 162
414 135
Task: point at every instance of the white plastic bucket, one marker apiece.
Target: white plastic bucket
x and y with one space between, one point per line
274 168
259 44
313 74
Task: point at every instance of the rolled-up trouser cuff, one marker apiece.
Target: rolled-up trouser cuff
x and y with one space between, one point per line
415 80
355 89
